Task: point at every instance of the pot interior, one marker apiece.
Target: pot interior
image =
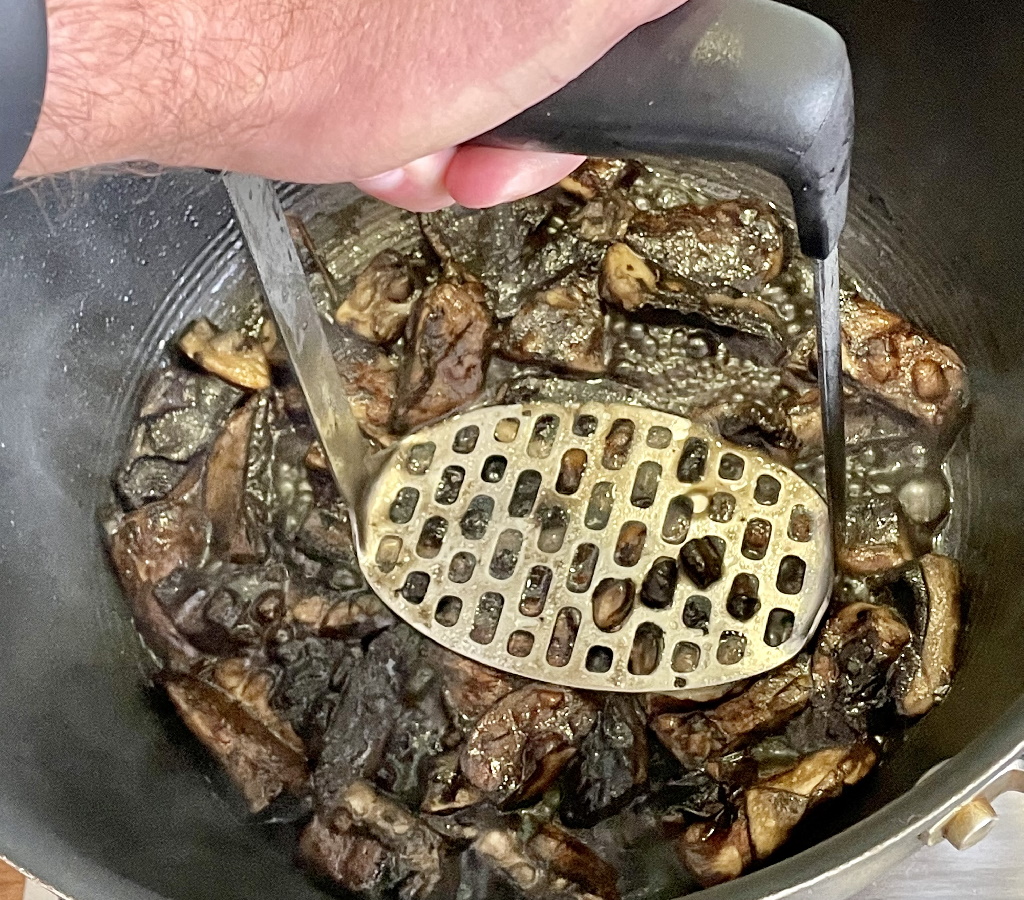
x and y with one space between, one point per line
101 791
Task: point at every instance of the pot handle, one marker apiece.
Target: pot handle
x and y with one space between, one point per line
970 822
737 80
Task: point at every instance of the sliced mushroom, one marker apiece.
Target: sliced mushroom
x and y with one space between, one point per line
370 379
925 668
449 349
447 789
892 360
262 761
569 858
337 850
697 737
378 305
850 669
470 688
523 742
415 851
776 805
230 355
626 280
876 536
236 534
716 851
150 544
597 176
732 243
561 327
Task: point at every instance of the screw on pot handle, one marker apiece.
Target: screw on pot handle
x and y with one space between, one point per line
737 80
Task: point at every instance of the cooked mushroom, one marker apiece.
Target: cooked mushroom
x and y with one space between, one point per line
514 249
471 688
523 742
415 851
504 851
386 723
925 668
371 379
876 536
231 355
236 533
774 806
850 670
732 243
561 327
447 788
597 176
261 759
611 767
337 850
147 546
892 360
450 347
626 280
569 858
378 305
694 738
716 851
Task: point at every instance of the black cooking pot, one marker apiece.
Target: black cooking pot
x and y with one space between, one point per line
101 793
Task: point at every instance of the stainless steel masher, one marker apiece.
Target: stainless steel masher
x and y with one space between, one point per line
612 547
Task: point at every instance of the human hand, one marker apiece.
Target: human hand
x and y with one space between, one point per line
320 90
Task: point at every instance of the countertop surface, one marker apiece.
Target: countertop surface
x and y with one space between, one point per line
994 869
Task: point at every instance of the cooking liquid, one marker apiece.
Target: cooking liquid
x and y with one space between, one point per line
681 369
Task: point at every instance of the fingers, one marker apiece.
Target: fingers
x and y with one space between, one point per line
418 186
472 176
486 176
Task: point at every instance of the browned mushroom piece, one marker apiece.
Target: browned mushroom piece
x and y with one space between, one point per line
520 746
611 767
876 536
925 668
851 672
386 721
370 378
238 519
697 737
597 176
626 280
716 851
605 218
378 305
447 789
150 544
776 805
561 327
752 423
231 355
338 851
735 244
414 850
470 688
569 858
450 336
896 362
531 876
515 249
260 752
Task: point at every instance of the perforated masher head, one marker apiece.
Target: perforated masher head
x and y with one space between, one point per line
599 547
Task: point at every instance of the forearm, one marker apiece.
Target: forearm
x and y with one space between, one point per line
139 80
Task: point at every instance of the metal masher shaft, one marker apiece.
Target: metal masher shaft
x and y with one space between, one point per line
830 387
